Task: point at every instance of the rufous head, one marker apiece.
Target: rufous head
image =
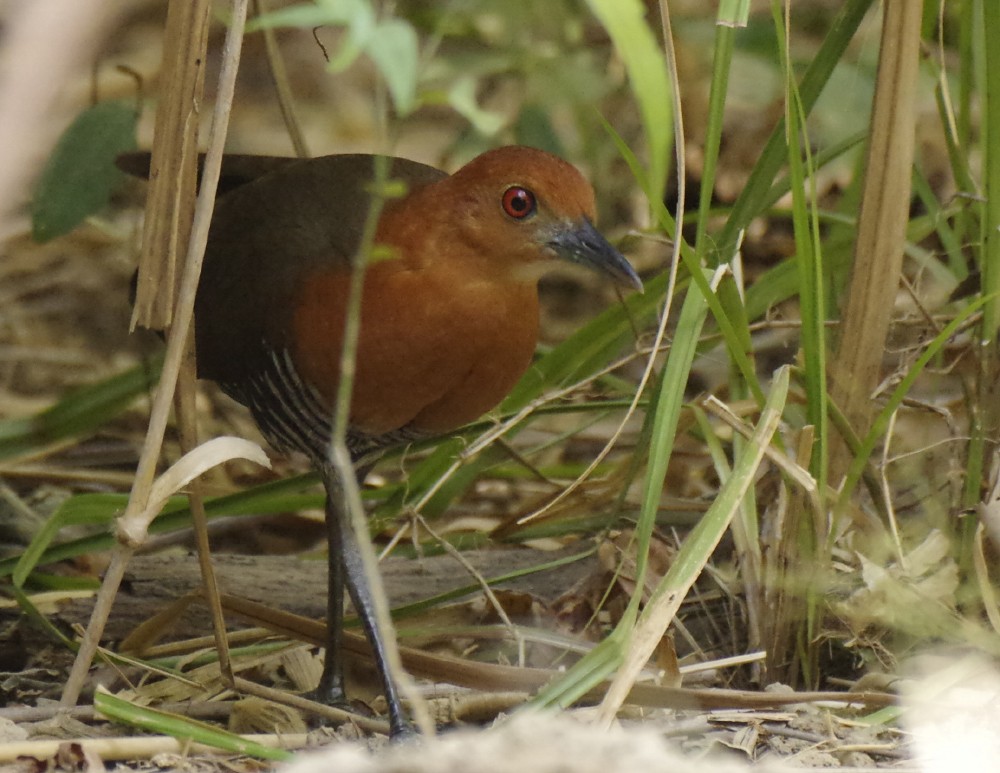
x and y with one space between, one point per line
521 207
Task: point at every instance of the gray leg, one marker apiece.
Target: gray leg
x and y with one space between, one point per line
345 564
331 684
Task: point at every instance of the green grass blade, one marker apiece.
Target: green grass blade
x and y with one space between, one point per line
751 199
729 17
666 222
809 259
637 46
698 546
589 349
96 509
600 662
881 421
77 414
991 170
182 728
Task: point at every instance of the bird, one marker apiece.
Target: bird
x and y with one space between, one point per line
449 315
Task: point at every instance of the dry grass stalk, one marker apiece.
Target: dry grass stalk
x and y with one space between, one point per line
878 254
138 501
173 165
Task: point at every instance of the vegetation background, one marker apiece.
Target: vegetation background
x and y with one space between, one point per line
796 418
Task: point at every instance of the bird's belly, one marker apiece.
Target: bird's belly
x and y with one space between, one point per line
427 359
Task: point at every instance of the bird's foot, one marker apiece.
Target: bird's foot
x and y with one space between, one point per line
330 692
402 730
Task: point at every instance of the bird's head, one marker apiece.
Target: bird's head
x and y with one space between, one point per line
520 208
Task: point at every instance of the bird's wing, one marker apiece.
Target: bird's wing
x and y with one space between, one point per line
266 236
236 169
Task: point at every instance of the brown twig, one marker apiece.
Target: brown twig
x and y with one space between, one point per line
282 87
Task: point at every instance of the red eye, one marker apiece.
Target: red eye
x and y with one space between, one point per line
518 202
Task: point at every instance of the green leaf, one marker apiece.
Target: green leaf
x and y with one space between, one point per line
360 28
534 128
81 174
391 44
306 15
462 97
356 15
395 52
